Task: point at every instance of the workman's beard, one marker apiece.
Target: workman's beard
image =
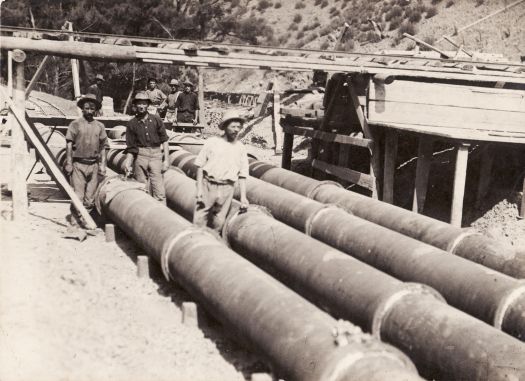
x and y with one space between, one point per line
142 112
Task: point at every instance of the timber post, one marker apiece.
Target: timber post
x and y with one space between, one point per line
276 121
202 110
19 153
74 65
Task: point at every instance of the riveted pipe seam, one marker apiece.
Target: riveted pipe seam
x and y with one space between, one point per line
390 301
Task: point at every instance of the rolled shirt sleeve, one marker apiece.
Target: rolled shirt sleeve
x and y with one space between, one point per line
202 156
163 135
72 132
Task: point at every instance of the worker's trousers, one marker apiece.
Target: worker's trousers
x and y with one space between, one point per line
84 180
217 200
148 170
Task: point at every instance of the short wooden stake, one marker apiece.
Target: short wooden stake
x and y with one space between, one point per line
142 266
261 377
189 314
286 160
110 232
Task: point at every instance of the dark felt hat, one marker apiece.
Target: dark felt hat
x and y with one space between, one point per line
89 98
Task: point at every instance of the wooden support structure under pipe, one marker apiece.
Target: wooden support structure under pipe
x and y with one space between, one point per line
202 109
389 166
276 122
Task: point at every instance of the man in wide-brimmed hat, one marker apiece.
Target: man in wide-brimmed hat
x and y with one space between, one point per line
86 144
156 96
147 148
222 162
187 105
171 101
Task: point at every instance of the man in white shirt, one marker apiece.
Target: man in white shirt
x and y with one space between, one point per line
222 162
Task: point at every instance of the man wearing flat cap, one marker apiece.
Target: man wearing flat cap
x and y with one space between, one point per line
86 144
187 105
147 152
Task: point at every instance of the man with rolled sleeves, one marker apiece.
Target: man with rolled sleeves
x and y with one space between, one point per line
86 144
147 153
155 95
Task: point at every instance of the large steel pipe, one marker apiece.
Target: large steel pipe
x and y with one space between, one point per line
473 246
353 290
464 284
295 335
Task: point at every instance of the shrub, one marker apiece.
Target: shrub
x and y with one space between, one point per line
431 12
429 40
300 35
263 4
324 31
396 11
333 9
372 37
325 45
293 27
310 38
434 2
449 3
299 5
324 4
415 17
479 2
394 23
317 2
407 27
297 18
277 5
336 13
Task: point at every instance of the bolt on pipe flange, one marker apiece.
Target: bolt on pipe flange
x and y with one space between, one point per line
389 301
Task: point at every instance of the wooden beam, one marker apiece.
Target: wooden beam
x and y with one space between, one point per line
286 161
330 137
375 157
74 65
460 175
276 122
389 166
522 209
202 108
344 155
48 160
424 160
36 76
355 177
485 171
423 43
10 73
19 153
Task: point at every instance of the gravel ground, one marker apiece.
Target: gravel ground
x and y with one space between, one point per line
73 310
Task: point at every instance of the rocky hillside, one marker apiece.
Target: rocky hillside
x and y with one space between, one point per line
318 24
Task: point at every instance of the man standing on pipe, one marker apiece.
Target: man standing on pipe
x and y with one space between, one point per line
86 146
145 134
222 162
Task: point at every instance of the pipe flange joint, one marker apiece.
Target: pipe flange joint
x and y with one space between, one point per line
507 301
464 234
309 224
232 216
166 250
388 302
311 194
